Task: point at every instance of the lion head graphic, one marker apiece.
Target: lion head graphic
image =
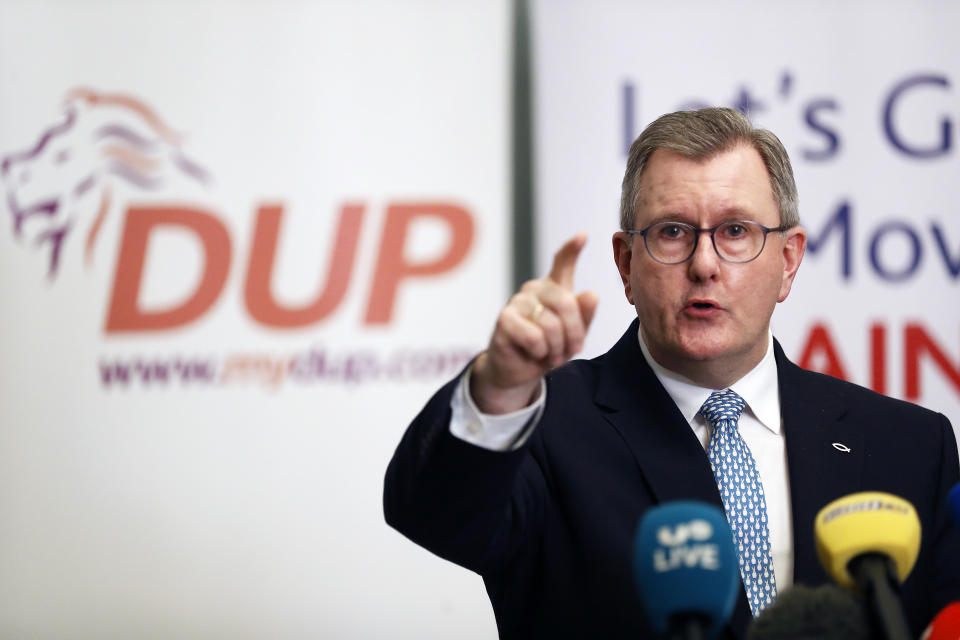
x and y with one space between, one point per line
65 182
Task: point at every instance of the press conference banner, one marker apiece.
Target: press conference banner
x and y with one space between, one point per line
863 97
241 244
244 242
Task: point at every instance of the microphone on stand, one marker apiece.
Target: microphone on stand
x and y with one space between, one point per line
686 569
800 612
870 540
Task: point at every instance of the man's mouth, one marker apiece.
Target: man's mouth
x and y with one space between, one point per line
701 308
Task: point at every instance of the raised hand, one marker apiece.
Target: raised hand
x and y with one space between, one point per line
542 326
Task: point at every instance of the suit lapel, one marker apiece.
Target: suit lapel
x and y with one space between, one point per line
670 457
819 471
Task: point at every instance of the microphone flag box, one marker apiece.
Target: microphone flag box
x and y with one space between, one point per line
685 565
867 522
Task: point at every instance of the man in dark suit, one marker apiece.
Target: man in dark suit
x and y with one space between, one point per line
534 473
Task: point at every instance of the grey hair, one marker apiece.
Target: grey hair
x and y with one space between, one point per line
700 135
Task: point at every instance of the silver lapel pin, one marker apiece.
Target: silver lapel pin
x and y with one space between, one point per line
839 446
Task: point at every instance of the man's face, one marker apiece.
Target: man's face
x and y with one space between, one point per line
706 318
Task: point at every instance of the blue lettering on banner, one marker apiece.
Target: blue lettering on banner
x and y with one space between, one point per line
917 253
952 264
840 222
745 103
841 219
820 115
810 115
786 84
913 150
750 103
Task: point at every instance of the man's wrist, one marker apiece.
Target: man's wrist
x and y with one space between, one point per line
501 432
493 400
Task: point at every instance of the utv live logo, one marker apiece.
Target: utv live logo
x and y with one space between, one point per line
107 140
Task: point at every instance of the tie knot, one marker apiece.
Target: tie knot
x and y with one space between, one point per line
723 405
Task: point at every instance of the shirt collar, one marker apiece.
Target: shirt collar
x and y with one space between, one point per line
759 388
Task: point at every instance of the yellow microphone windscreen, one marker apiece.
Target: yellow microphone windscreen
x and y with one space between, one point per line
867 522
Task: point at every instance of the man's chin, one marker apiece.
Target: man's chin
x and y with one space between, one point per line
696 343
703 349
704 341
703 354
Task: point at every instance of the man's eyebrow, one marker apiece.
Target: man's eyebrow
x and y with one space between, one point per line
671 217
730 213
736 213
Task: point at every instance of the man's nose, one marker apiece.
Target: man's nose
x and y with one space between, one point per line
704 264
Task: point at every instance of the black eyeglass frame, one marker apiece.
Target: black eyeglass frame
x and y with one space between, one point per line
713 238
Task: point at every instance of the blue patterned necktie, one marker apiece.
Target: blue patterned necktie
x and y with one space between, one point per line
742 494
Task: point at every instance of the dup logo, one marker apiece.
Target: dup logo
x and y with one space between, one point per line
66 183
63 186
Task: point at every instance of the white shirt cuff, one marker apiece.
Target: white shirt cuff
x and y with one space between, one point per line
504 432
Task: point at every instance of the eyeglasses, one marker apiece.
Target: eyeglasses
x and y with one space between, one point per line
735 241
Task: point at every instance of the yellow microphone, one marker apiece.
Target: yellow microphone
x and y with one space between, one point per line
870 541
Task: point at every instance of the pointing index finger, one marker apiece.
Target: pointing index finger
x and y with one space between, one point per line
565 260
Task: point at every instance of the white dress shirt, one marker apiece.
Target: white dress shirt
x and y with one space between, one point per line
761 427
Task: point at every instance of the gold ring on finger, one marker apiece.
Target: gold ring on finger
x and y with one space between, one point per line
537 310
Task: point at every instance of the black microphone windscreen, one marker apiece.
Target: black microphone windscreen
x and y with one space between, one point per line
804 613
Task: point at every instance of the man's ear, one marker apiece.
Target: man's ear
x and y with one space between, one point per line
793 248
622 255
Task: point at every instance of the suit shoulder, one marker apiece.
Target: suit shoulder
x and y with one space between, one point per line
854 396
580 372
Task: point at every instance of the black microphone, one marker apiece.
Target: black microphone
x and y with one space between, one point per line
800 612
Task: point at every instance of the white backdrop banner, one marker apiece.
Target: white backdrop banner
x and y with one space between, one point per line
863 98
242 243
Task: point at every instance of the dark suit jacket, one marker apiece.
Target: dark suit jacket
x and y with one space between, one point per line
550 526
